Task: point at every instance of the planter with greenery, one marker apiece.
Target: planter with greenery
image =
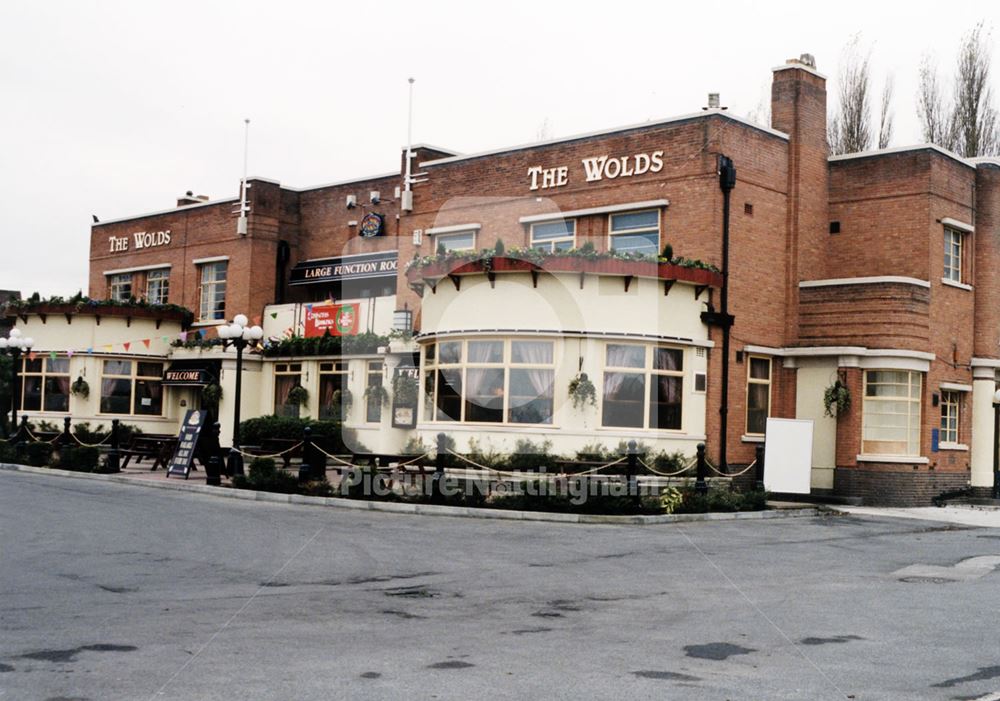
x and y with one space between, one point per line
837 399
582 391
378 394
298 396
80 388
80 304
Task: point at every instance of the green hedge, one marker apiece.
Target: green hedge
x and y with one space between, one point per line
334 437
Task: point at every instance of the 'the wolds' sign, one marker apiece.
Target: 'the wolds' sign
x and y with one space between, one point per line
598 168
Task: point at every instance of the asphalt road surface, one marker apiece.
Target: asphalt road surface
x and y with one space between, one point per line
112 591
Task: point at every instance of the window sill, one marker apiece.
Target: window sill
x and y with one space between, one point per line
214 322
959 285
906 459
953 446
752 438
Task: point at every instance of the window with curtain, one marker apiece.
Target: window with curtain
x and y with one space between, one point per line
158 286
373 403
891 413
120 287
131 387
332 388
45 384
287 376
953 254
758 394
459 241
643 387
489 381
213 291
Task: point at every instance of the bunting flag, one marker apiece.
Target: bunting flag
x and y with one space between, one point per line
145 342
183 335
52 355
202 333
90 351
69 353
127 345
32 355
108 348
274 315
256 321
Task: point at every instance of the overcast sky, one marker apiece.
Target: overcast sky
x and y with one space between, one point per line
116 108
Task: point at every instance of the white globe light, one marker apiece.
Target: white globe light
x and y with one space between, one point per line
235 331
223 332
241 319
256 333
29 342
14 333
247 334
996 397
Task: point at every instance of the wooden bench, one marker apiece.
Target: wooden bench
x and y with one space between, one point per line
158 447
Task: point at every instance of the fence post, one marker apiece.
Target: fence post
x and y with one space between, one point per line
22 431
305 468
114 460
213 464
700 485
632 468
760 466
65 441
439 460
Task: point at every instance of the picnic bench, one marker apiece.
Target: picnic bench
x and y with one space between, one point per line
158 447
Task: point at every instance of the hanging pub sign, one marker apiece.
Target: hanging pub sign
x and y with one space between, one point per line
372 224
187 442
405 392
338 319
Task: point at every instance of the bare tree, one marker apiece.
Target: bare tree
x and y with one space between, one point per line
886 115
973 124
931 108
761 113
544 131
967 124
849 128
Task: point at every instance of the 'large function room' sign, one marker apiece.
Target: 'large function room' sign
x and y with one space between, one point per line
345 268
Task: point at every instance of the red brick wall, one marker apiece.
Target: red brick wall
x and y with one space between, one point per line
986 254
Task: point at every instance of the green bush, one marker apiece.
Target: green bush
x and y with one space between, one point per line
528 455
723 499
86 434
39 454
79 459
335 438
7 452
263 475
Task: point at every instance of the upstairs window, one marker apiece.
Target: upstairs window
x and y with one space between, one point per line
951 407
554 236
953 254
120 287
213 291
459 241
636 232
158 286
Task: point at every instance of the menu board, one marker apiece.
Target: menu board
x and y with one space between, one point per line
187 442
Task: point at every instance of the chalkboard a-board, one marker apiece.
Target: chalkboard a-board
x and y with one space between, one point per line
187 442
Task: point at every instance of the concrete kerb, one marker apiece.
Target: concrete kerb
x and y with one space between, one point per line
425 509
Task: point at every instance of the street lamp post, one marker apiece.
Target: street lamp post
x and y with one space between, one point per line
996 444
239 335
15 345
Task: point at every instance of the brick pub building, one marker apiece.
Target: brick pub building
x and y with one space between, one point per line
871 270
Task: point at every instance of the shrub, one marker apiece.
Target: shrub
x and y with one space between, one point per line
724 499
335 437
80 459
264 475
39 454
528 455
7 452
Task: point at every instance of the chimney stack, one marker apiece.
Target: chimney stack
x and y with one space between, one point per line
713 101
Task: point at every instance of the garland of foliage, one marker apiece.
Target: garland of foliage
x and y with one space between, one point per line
537 256
300 346
837 399
81 302
582 391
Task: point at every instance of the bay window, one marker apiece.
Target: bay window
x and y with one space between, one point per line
891 413
643 387
489 381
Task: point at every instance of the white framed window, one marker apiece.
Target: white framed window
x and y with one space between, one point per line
951 411
554 235
120 287
45 384
132 387
213 291
333 392
758 394
373 403
890 422
457 241
953 254
635 232
287 376
158 286
643 387
490 381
